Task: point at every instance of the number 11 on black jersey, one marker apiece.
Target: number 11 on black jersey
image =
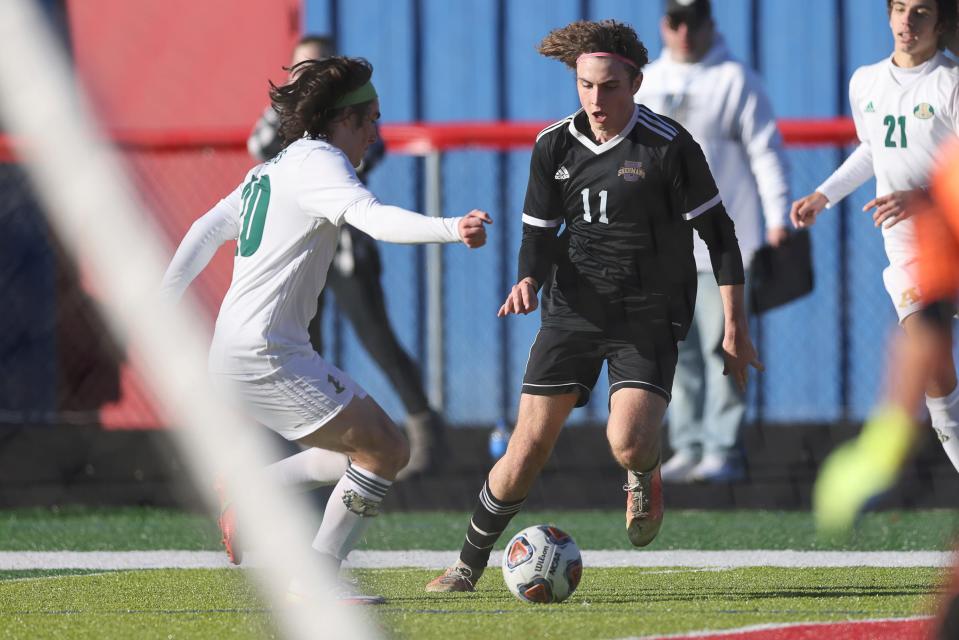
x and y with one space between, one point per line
587 214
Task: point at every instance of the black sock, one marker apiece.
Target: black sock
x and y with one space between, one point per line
488 523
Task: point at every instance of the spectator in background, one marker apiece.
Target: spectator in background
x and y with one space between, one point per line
354 279
721 102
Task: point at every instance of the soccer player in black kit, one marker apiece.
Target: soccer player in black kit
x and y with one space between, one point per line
615 192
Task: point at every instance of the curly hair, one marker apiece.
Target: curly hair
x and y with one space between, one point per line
305 104
568 43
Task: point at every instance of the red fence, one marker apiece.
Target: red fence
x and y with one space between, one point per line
422 138
179 173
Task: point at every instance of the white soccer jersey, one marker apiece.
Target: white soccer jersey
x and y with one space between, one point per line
902 119
285 218
288 212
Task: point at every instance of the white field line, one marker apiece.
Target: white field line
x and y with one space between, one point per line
57 577
107 560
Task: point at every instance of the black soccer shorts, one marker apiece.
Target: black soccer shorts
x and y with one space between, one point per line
563 361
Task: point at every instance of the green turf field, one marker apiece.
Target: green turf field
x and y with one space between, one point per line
611 602
80 529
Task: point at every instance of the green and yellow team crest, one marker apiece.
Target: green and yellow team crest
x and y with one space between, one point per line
923 111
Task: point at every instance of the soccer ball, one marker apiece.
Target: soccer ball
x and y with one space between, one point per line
542 564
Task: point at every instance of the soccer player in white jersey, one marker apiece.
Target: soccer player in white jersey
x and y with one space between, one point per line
285 217
905 108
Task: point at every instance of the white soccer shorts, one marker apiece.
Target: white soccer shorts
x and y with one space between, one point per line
298 398
902 285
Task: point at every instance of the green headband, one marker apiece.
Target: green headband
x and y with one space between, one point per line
357 96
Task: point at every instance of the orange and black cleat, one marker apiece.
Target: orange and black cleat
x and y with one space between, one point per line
458 578
227 524
644 505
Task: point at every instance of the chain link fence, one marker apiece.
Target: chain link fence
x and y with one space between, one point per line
823 353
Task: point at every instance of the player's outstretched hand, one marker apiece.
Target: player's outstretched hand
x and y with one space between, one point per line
739 354
472 230
890 209
804 211
521 299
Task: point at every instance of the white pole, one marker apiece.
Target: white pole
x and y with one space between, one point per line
96 214
434 285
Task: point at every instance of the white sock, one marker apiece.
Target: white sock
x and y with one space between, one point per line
309 469
945 421
353 504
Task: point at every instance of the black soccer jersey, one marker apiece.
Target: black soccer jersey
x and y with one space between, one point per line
626 253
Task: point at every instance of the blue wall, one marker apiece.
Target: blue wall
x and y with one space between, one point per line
441 60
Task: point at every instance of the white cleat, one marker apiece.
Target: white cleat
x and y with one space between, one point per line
717 469
679 468
344 592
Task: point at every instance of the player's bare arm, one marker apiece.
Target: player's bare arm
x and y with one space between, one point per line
804 211
738 349
522 298
472 229
892 208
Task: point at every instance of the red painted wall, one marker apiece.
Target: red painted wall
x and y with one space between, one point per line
162 64
173 66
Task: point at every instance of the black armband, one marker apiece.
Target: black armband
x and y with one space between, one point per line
717 230
536 253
